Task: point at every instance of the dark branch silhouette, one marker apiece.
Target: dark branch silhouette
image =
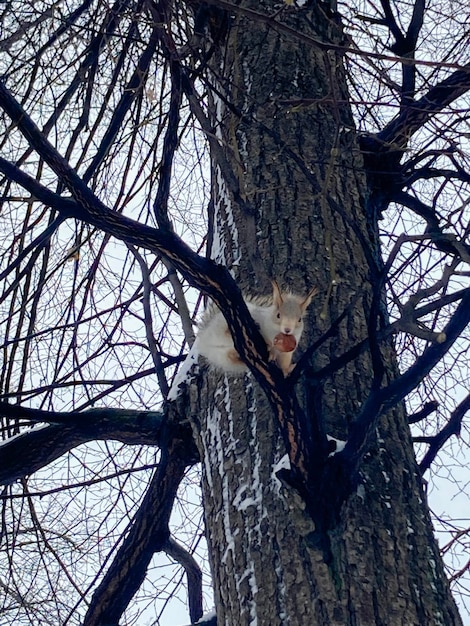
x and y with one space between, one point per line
57 433
452 428
149 533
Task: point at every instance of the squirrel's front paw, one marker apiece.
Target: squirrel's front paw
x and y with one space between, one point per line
272 353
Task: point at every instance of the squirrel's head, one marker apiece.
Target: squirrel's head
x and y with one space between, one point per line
289 309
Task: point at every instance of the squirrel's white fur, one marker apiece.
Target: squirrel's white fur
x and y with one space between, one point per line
281 314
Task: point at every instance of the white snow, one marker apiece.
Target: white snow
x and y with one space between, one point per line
34 429
215 450
339 444
283 463
224 222
223 217
361 491
207 617
184 374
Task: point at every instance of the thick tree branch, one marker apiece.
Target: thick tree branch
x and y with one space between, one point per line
405 45
149 534
27 452
193 574
212 279
396 134
383 151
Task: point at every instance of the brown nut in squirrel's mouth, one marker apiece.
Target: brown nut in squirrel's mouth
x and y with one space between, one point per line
285 343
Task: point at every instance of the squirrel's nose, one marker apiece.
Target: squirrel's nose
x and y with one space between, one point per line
287 331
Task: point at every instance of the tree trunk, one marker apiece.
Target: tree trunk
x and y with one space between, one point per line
295 210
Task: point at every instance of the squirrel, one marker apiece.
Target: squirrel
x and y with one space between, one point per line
280 321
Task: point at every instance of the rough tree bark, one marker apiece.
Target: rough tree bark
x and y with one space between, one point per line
361 551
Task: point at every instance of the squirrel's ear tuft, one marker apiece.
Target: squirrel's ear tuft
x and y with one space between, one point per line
308 298
277 298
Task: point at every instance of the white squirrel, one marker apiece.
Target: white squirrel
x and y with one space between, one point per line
280 321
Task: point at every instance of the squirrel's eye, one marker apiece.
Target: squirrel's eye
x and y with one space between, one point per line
278 315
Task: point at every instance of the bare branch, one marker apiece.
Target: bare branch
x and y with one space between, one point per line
452 427
149 534
400 387
193 573
422 414
129 94
181 303
170 145
152 344
24 27
396 134
212 279
383 334
27 452
364 425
